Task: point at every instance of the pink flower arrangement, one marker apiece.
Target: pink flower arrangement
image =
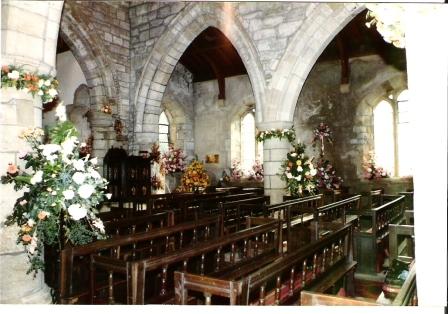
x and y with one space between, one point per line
326 176
322 132
156 183
173 160
257 172
371 170
236 172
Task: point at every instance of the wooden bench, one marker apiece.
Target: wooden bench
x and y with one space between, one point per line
300 212
137 224
409 200
151 280
234 213
195 208
371 238
73 282
401 239
294 212
280 281
406 296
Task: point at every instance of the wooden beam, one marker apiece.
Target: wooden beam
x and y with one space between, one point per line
219 76
345 65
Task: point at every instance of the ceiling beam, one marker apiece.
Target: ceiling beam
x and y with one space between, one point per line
219 76
345 65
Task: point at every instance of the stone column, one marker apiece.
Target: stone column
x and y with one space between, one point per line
427 67
18 111
274 152
29 36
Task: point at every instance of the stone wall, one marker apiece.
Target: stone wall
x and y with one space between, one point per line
214 118
178 101
98 34
349 115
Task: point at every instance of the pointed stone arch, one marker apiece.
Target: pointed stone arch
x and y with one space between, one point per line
91 59
322 24
99 75
183 29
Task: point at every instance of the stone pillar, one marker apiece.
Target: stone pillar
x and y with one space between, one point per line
18 111
427 67
29 36
274 152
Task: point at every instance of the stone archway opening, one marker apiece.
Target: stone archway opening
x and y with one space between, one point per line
168 51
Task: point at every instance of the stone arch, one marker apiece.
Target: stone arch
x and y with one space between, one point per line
169 48
91 59
322 24
79 113
99 77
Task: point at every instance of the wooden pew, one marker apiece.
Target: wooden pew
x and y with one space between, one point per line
406 296
195 208
315 298
234 212
319 264
137 224
294 212
298 212
151 280
343 211
409 201
73 287
401 239
371 238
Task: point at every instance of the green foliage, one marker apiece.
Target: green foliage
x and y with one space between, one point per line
298 172
289 134
62 131
62 193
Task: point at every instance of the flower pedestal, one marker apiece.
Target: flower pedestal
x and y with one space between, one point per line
172 181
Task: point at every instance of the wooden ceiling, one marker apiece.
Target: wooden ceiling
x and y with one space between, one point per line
211 55
356 40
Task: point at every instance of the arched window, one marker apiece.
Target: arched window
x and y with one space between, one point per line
247 141
383 123
405 141
392 135
250 149
164 132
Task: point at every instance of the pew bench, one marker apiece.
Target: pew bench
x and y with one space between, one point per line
150 280
401 239
279 282
73 281
406 296
372 237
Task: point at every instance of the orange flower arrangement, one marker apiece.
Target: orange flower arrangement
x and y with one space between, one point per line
195 177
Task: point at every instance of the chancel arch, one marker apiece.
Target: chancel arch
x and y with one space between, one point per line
169 48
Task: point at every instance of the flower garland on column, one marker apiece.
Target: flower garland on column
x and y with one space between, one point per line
289 134
43 85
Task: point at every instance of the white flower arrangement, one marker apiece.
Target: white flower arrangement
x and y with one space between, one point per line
68 187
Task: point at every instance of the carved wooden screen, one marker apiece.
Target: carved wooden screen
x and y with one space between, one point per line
114 172
138 176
